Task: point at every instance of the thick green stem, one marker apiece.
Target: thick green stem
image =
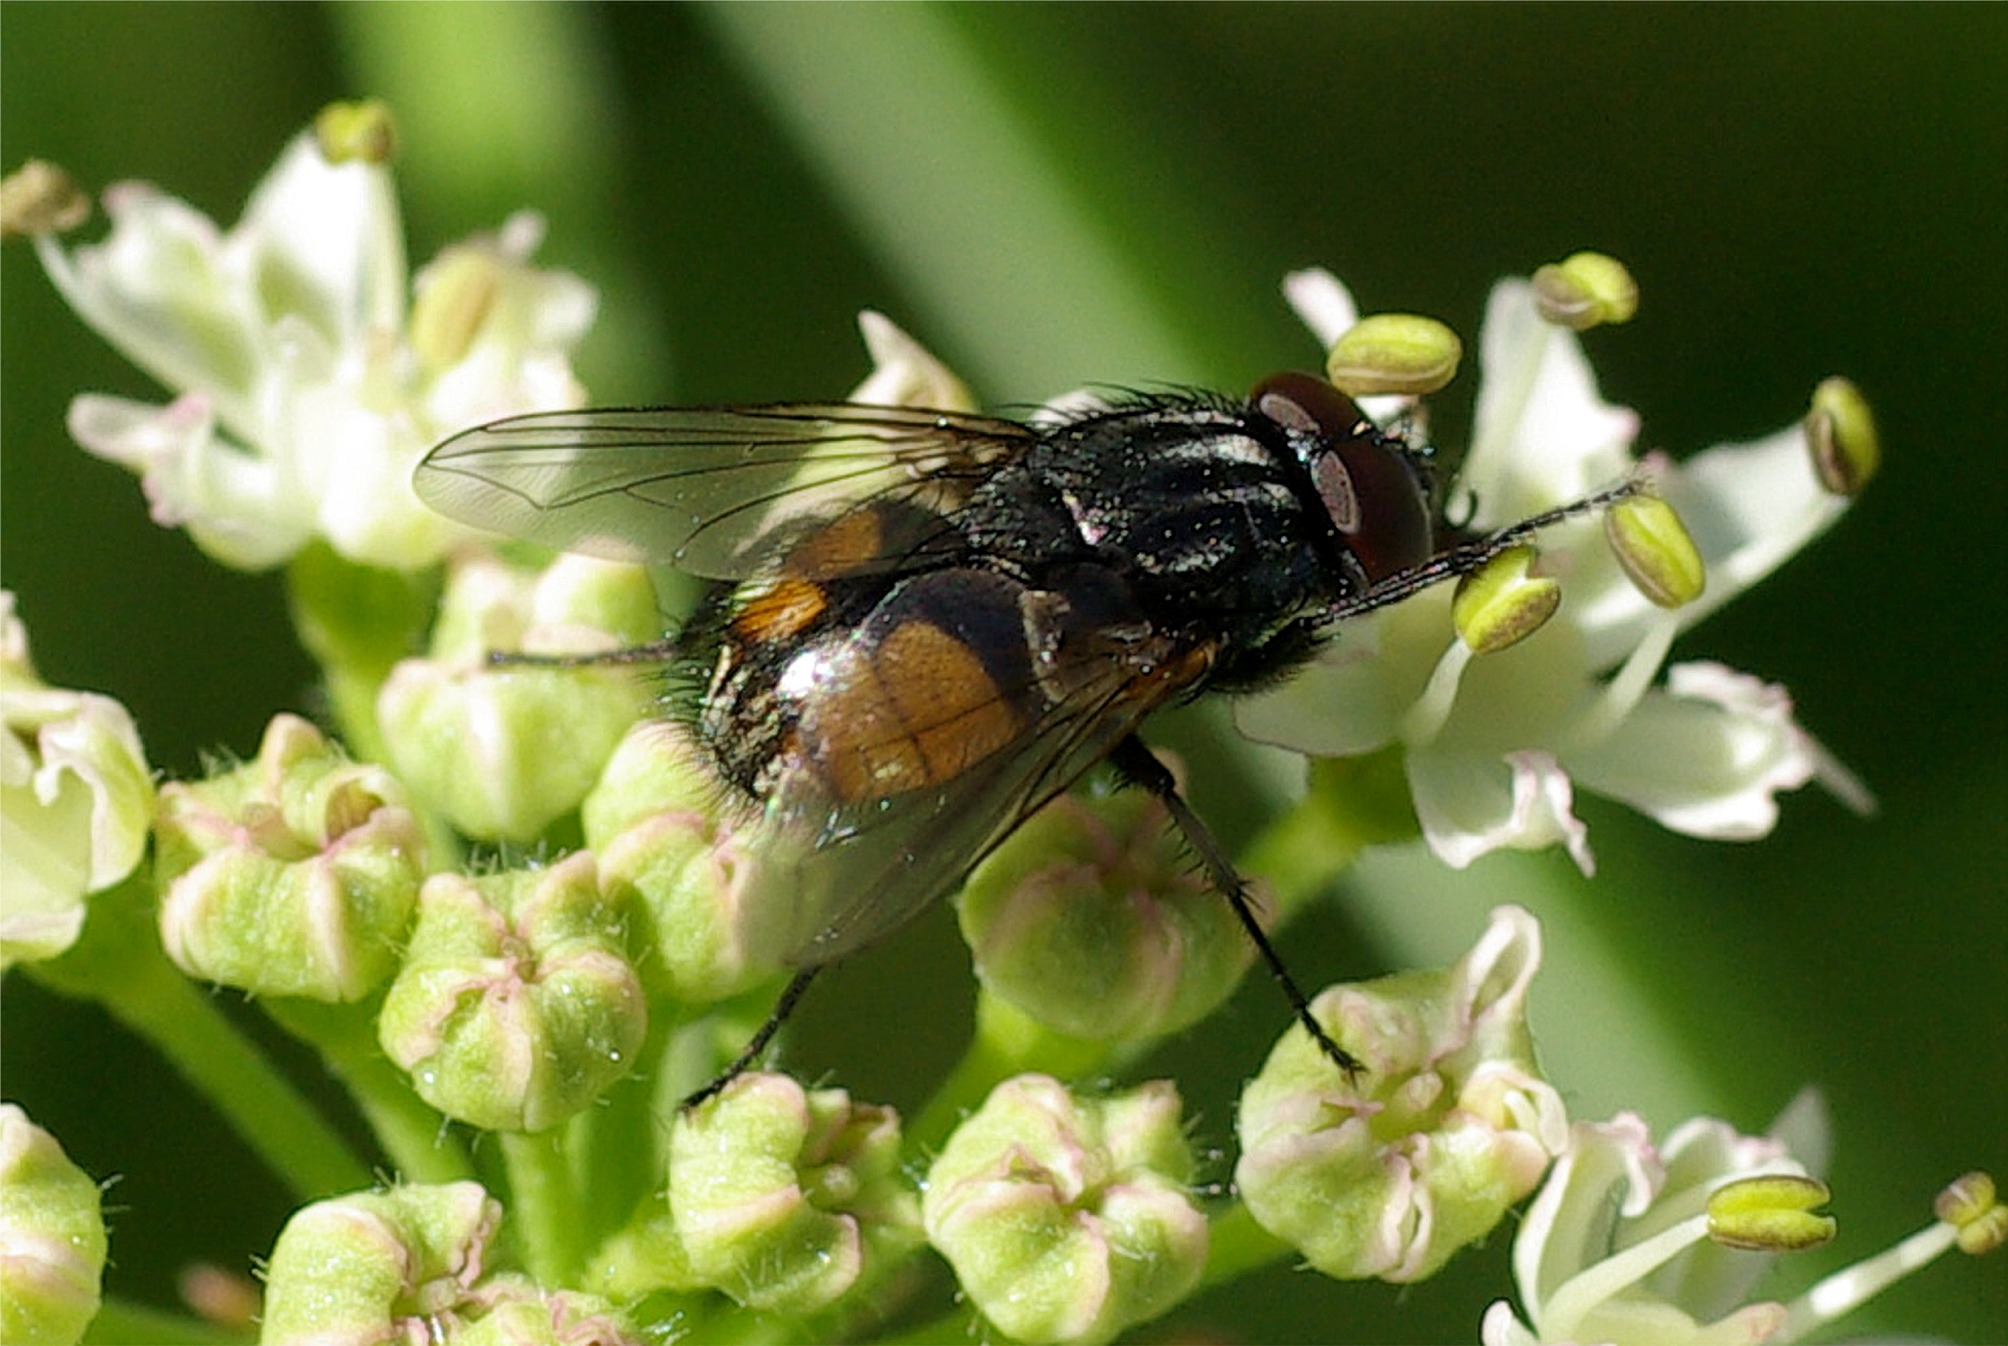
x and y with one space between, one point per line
121 1322
543 1205
411 1132
1007 1042
118 962
1236 1245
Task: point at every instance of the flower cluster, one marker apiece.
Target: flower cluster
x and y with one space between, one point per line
514 914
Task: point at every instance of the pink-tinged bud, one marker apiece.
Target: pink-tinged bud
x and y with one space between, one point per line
1390 1173
52 1238
1092 920
379 1267
1068 1219
517 1004
292 875
789 1199
650 822
503 750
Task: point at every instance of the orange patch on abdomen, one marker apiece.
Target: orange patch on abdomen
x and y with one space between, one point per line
919 709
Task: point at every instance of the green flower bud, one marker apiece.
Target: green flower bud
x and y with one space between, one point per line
787 1199
76 801
356 132
1841 432
52 1238
516 1312
1447 1127
1394 353
1500 605
294 874
649 820
503 750
1068 1219
1091 919
40 198
1586 290
1655 549
379 1266
517 1004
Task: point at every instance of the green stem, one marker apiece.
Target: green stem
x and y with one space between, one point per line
543 1205
1236 1245
118 962
120 1322
1007 1042
958 1324
412 1134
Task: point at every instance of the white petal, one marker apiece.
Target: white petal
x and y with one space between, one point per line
904 372
1322 302
324 242
98 745
1607 1169
1748 508
1705 756
157 289
238 506
1500 1327
1469 805
1541 435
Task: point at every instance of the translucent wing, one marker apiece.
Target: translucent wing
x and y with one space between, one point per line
830 878
703 488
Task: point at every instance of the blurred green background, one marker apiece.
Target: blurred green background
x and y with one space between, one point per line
1056 195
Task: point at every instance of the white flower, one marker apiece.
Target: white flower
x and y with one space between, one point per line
305 390
1615 1247
1636 1246
1495 746
76 801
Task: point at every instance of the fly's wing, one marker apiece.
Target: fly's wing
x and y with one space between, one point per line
832 877
704 488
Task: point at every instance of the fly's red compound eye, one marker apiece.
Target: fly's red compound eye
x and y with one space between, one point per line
1366 479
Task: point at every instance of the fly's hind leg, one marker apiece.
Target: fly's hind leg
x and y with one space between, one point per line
1142 768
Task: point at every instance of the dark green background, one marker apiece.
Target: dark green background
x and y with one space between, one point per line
1800 191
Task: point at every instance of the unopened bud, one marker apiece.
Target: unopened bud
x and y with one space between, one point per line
517 1005
787 1199
52 1236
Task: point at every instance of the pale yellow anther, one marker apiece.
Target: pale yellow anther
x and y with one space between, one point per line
40 198
459 293
1586 290
1394 353
1655 549
1500 604
1972 1206
360 132
1841 432
1770 1214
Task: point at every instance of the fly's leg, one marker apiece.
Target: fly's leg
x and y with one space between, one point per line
791 995
1142 768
